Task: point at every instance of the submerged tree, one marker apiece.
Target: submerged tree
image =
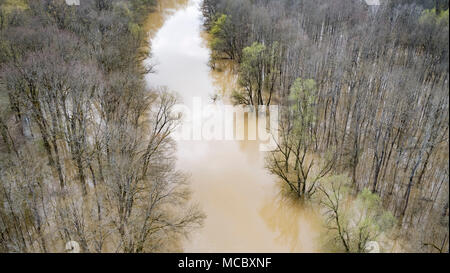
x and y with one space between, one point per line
352 224
294 160
258 74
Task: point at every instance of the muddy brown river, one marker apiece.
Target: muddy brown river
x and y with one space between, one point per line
244 211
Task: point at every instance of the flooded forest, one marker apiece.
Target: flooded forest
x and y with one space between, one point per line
114 131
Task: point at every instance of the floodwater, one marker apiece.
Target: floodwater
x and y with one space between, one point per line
244 211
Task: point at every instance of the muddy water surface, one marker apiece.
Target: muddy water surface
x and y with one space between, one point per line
228 178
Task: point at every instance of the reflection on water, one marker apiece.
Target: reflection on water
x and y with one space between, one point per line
228 178
296 227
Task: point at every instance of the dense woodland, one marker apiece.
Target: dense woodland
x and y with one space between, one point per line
365 108
85 147
86 152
